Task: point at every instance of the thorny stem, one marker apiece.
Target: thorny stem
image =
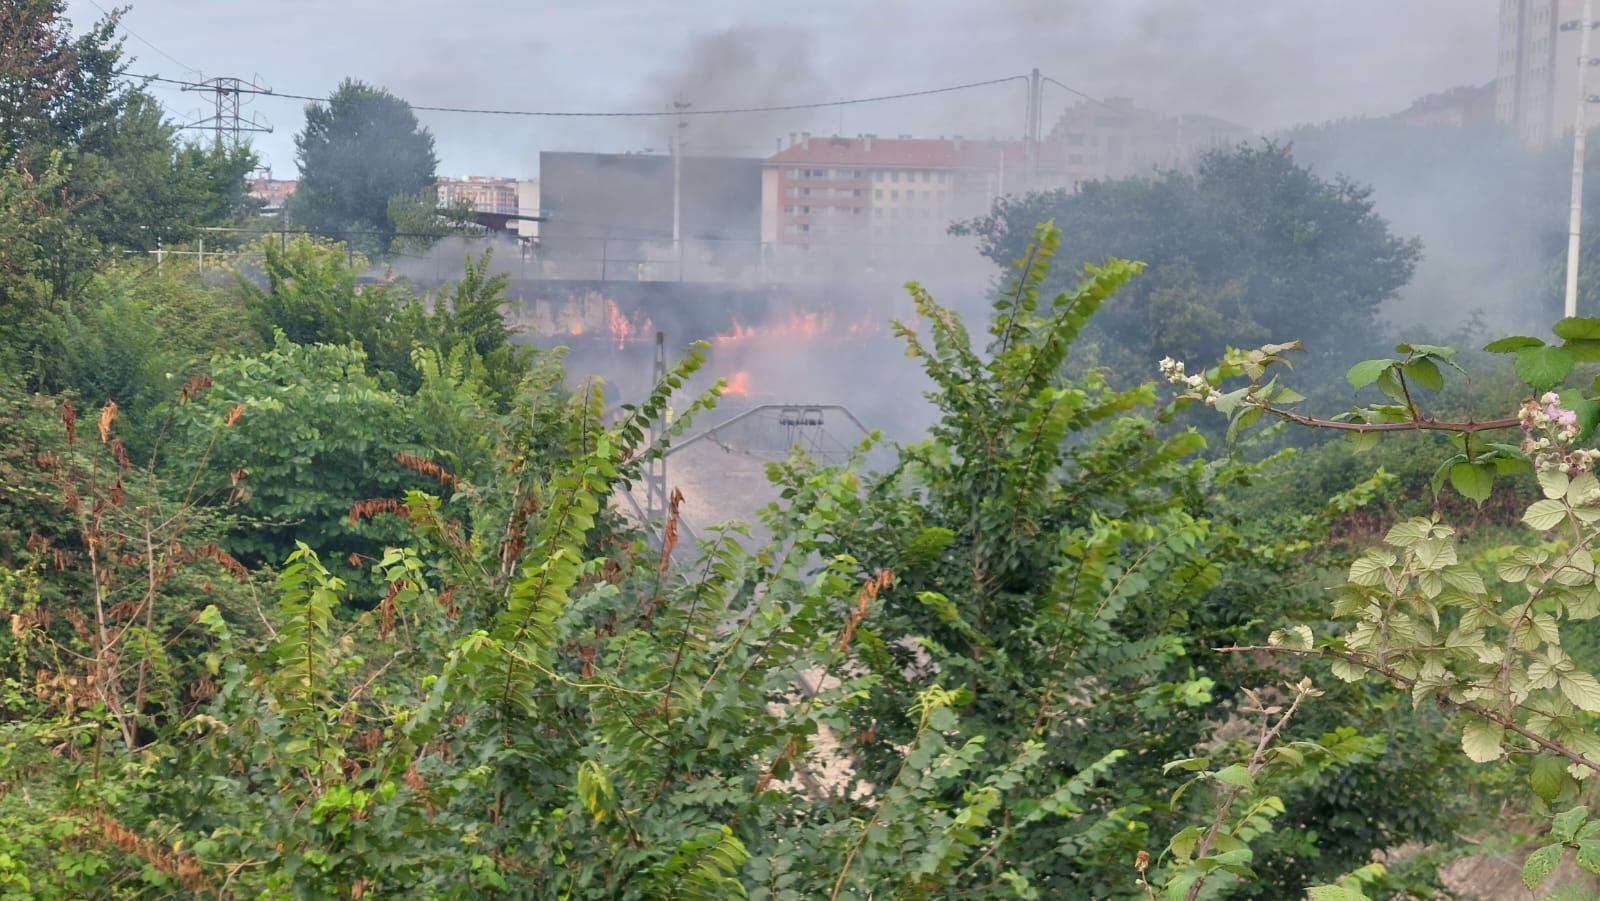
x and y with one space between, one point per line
1416 424
1506 721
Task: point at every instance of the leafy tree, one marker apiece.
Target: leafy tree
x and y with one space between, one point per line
311 295
419 221
1251 247
148 188
314 435
357 152
55 91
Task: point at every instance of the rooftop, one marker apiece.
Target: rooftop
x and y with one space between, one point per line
869 151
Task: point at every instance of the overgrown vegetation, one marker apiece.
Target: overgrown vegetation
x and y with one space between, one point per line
315 589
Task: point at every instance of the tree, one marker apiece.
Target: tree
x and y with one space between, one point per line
357 152
55 91
1250 247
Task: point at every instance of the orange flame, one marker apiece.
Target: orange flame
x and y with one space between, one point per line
738 384
802 325
625 328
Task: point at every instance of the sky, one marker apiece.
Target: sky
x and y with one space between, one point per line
1263 63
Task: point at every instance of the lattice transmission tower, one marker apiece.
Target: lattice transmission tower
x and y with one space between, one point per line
228 122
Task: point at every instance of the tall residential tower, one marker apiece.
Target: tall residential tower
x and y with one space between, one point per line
1536 85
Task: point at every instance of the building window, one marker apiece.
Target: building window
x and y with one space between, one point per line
894 195
895 175
877 194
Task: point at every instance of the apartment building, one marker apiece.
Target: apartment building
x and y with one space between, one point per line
484 194
866 190
1537 71
274 192
1113 138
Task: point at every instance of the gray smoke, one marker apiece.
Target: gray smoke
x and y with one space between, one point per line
742 67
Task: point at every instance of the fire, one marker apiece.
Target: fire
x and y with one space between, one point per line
625 328
575 329
738 384
802 325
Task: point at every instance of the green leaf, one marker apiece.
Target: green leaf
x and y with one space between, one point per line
1235 774
1543 368
1182 844
1545 515
1547 778
1554 483
1539 865
1589 856
1227 403
1335 893
1293 637
1362 440
1565 826
1442 351
1582 689
1408 533
1577 328
1512 344
1425 372
1368 569
1481 740
1475 481
1366 372
1188 763
1389 383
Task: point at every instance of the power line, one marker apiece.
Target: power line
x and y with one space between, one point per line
1072 90
631 114
141 39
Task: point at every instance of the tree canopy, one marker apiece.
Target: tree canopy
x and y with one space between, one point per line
359 151
88 165
1250 247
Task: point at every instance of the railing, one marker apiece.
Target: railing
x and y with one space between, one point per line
611 259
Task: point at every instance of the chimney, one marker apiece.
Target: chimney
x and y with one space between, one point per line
780 145
805 140
866 142
957 141
793 139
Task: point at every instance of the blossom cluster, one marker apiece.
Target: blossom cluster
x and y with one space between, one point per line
1548 430
1199 388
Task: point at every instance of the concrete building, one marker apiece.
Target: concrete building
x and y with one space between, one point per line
869 191
1536 83
1115 139
481 193
527 206
275 192
613 212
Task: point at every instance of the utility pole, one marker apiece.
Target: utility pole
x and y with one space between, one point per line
655 478
1032 127
677 170
228 121
1579 132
